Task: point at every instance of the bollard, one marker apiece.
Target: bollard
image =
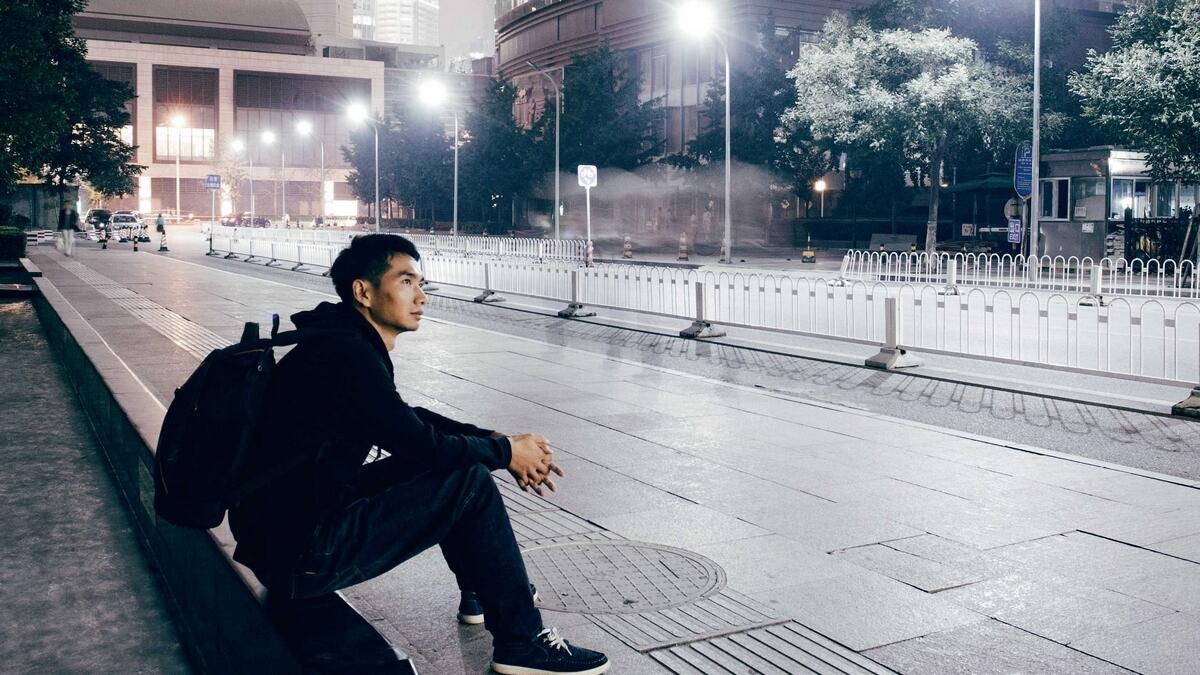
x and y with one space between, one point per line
488 295
590 261
911 249
891 356
683 248
951 287
701 328
135 244
162 241
574 309
808 255
627 251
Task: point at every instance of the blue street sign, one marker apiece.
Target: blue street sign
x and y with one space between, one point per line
212 181
1014 230
1023 170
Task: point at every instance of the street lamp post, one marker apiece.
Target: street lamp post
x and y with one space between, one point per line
177 123
238 146
557 131
358 114
433 94
268 138
1035 198
819 186
698 19
304 128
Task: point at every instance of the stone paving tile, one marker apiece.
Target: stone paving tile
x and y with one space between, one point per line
619 497
1168 645
1144 492
1089 559
1060 612
1183 547
887 490
763 563
951 553
863 610
828 527
928 575
983 525
683 526
612 448
988 648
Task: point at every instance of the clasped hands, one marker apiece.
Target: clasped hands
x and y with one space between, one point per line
532 462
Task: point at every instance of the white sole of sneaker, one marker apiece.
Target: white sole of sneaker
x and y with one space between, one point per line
521 670
470 619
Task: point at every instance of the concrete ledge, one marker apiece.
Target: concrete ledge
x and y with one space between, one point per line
218 604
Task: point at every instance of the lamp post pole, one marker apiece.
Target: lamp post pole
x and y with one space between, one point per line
1035 198
283 185
454 222
557 136
377 214
728 156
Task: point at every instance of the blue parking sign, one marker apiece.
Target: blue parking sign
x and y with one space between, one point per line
1014 230
212 181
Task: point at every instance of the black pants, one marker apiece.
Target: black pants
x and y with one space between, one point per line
399 514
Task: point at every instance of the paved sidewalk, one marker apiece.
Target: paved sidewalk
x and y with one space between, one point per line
773 528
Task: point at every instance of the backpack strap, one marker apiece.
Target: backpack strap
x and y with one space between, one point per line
292 337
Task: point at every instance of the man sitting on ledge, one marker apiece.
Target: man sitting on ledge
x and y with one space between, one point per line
341 518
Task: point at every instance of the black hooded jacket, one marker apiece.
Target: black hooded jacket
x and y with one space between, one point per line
335 398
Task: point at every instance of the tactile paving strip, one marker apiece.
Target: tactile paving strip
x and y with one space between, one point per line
619 577
187 335
784 649
723 613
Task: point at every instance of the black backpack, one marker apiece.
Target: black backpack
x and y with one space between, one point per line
210 427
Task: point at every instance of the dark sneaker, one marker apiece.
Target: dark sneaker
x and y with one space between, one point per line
470 611
549 654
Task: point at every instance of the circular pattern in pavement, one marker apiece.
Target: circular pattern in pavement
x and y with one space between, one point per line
619 577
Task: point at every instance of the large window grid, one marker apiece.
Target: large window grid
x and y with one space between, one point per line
191 94
276 103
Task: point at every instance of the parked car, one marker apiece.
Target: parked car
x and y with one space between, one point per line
97 217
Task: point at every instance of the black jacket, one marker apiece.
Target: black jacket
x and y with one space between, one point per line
335 397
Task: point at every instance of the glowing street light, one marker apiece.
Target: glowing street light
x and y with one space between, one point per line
557 136
433 94
820 186
357 113
698 20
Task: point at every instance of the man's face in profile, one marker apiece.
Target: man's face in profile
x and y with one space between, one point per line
398 302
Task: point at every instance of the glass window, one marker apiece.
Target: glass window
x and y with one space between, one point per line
1087 198
1189 195
1055 198
1164 200
1122 197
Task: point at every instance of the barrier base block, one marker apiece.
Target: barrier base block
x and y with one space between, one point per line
428 287
489 296
948 290
891 359
1092 301
574 310
701 329
1189 407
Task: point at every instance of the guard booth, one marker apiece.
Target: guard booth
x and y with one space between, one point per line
1100 201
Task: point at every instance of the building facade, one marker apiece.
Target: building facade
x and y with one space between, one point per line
413 22
212 77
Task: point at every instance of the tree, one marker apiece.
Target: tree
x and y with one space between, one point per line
415 163
1148 86
604 121
918 96
499 160
63 125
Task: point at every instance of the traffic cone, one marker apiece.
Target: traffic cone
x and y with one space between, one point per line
683 252
627 252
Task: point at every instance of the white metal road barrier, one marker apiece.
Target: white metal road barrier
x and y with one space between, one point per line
560 250
1154 339
1170 279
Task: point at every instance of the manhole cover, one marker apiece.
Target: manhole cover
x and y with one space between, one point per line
619 577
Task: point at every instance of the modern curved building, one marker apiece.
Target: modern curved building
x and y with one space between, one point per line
673 68
226 70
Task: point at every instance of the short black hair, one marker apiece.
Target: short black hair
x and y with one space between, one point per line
367 257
